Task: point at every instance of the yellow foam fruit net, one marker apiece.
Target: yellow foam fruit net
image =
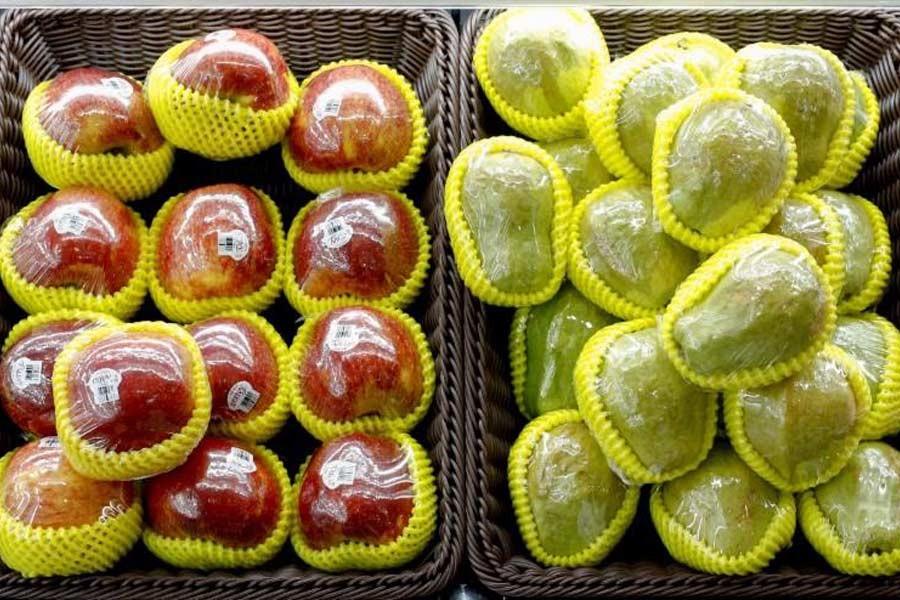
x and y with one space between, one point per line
99 463
884 417
394 178
462 240
519 459
36 298
703 51
568 124
879 268
371 557
216 128
263 426
323 429
129 177
860 144
52 551
401 297
210 554
29 324
182 310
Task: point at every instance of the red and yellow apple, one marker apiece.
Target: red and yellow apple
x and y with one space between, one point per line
79 237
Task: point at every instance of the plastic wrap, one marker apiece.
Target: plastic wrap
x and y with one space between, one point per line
247 365
131 400
852 520
622 106
723 162
867 250
364 502
544 344
620 257
813 93
78 248
26 367
801 431
874 343
866 117
536 65
359 126
361 368
651 423
216 248
227 506
722 517
702 51
753 314
580 163
226 95
54 521
349 248
508 209
90 126
572 509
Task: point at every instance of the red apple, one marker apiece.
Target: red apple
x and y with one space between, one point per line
224 493
91 111
356 488
26 372
79 237
364 244
235 64
350 117
41 489
242 369
218 241
361 361
130 390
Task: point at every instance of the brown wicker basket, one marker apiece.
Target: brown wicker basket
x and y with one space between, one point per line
422 45
866 39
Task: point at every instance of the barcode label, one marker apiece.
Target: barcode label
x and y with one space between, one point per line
342 337
104 386
338 473
236 461
242 397
112 510
49 442
220 36
326 107
25 372
119 86
233 243
68 221
335 232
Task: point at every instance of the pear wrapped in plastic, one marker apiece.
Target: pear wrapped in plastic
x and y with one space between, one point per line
801 431
866 117
700 50
572 509
508 206
622 106
544 344
648 420
722 517
620 257
811 90
535 66
874 343
753 314
723 163
852 520
580 163
867 250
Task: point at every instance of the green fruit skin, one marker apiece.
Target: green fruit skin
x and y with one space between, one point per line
860 116
806 91
626 247
572 491
662 417
727 161
859 239
652 90
723 503
555 333
766 309
864 342
802 425
580 163
863 501
799 221
508 203
540 61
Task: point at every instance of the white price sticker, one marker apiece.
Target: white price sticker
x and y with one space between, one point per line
233 243
68 221
338 473
342 337
119 86
25 372
49 442
326 107
220 36
104 386
242 397
236 462
335 232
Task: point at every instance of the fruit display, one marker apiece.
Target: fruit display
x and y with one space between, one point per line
77 248
580 164
93 127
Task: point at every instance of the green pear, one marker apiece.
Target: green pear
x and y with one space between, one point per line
799 221
580 163
859 239
863 340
